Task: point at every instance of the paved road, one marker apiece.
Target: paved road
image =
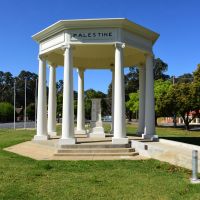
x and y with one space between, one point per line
17 125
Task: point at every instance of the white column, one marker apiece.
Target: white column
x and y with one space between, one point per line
142 78
42 104
119 99
52 101
80 107
149 131
113 92
68 100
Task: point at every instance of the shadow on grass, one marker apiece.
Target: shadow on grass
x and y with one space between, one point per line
192 127
188 140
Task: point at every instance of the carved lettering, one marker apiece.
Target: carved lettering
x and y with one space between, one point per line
92 35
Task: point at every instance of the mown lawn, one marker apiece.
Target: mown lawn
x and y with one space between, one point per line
177 134
24 178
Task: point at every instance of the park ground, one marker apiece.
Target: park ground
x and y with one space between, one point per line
25 178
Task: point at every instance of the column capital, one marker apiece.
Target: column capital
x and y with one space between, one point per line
149 54
42 57
81 70
51 64
141 65
112 69
120 45
66 46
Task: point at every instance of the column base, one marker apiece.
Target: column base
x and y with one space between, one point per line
97 135
66 141
41 137
150 137
119 140
196 181
79 132
52 134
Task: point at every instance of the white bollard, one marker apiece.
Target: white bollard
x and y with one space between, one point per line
194 178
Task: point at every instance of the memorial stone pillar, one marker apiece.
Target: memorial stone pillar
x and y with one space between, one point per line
96 122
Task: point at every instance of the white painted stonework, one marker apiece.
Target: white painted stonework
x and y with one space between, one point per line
111 44
52 101
80 129
96 124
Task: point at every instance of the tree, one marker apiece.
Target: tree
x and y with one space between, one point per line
159 68
59 86
6 87
183 99
196 74
133 102
31 111
185 78
161 88
30 87
59 105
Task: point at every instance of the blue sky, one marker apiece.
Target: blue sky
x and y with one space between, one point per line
177 22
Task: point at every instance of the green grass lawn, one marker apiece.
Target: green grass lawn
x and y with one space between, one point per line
177 134
24 178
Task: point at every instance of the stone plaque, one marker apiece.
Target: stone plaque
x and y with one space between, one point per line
96 110
96 122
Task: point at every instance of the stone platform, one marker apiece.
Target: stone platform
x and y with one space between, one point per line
85 149
176 153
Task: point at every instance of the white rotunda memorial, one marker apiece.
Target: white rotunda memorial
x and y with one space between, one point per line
94 44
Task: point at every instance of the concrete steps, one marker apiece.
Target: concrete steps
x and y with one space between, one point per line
92 145
96 150
97 154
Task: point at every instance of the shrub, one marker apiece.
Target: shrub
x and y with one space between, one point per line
30 111
6 112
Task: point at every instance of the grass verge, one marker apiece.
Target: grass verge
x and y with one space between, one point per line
24 178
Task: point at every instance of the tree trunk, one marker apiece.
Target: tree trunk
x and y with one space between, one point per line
186 122
187 126
174 121
129 116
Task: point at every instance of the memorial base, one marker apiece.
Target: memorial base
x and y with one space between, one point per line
97 132
150 137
